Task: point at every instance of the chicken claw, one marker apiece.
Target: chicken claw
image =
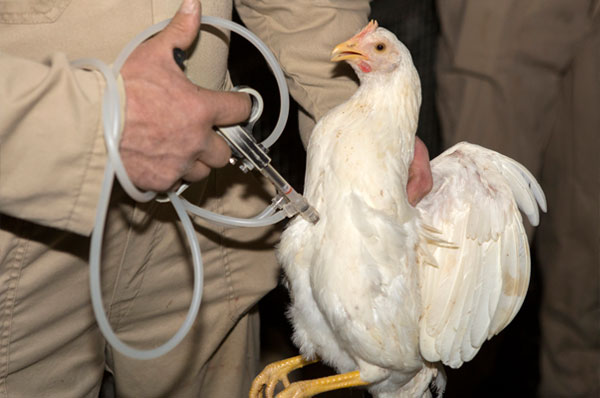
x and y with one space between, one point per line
274 373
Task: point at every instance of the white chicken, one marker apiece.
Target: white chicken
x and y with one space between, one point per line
384 292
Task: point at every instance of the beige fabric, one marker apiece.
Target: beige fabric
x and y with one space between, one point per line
569 237
51 163
72 176
324 24
522 77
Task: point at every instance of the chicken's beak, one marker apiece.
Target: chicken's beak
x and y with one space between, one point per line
350 49
347 50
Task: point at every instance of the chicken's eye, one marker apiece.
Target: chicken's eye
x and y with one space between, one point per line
380 47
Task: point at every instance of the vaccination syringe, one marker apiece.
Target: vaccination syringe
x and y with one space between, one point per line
249 154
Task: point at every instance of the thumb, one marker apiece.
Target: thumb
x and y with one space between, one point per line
183 28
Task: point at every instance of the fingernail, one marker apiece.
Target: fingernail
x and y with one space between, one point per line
189 6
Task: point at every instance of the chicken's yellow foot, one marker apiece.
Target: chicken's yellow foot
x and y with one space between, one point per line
308 388
275 372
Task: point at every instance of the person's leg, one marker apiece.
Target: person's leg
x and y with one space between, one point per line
49 343
568 241
499 66
501 69
230 371
154 288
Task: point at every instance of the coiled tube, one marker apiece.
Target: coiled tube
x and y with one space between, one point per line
111 122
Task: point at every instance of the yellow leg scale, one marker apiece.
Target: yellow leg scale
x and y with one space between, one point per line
276 372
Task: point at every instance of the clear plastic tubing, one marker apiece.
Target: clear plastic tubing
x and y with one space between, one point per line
111 123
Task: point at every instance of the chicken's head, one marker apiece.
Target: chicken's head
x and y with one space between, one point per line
373 50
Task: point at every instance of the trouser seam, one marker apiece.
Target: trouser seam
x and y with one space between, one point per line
227 266
7 310
115 316
122 314
227 274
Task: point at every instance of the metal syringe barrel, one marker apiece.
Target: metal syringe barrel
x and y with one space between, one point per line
250 155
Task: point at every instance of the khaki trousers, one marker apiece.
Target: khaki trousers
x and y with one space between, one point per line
523 77
50 345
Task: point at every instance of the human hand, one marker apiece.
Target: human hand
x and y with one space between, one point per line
420 180
168 134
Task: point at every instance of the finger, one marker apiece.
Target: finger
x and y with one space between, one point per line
183 28
175 187
197 172
420 180
215 152
227 108
421 153
416 190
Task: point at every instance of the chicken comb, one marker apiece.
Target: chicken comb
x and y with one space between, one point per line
371 26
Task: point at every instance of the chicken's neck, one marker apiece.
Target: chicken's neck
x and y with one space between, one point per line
398 93
394 100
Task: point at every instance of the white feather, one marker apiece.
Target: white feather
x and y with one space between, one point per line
478 292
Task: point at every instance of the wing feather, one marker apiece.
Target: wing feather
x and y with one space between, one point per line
509 280
440 308
528 193
515 277
461 346
488 301
481 277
